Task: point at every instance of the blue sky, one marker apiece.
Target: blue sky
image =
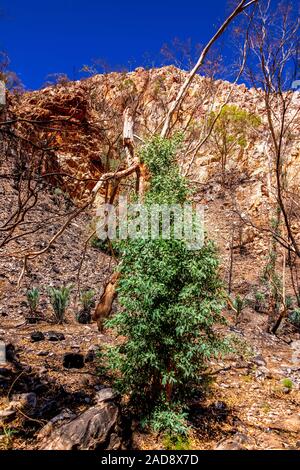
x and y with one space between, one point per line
60 36
45 37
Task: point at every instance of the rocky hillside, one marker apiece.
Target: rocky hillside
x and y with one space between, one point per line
71 134
86 131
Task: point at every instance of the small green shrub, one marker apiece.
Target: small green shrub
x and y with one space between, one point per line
87 299
59 298
175 442
6 438
167 419
260 301
287 383
289 302
33 298
239 304
294 317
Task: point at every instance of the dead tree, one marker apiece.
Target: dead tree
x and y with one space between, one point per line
273 40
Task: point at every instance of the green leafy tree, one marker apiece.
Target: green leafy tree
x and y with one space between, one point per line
230 131
171 299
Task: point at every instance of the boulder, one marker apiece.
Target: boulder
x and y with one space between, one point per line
55 336
291 425
66 415
98 428
37 336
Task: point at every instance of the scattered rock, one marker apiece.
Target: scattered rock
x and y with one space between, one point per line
37 336
5 372
263 373
55 336
85 380
73 361
41 371
237 442
259 361
220 406
42 353
4 382
11 354
107 394
31 320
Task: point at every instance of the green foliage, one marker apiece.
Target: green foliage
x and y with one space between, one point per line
60 196
287 383
175 442
260 301
33 297
59 298
289 302
260 297
239 303
171 299
231 130
233 123
167 185
87 299
294 317
168 420
270 277
7 437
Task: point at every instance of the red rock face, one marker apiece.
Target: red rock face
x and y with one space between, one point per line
81 122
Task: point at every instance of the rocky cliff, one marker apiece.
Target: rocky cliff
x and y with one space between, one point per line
80 125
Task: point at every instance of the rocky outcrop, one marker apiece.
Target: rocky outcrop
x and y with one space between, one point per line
81 122
98 428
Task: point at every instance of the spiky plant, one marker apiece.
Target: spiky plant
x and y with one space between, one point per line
60 298
294 317
239 304
87 302
33 298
